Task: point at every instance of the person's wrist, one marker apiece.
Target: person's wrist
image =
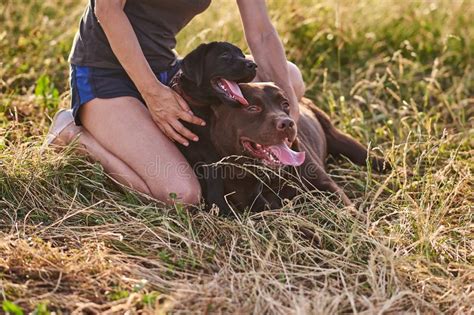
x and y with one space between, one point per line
152 88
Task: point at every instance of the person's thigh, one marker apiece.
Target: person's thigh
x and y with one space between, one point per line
124 127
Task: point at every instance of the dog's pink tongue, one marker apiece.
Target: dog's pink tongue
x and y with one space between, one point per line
287 156
236 92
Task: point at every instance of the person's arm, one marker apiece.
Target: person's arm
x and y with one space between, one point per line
266 48
165 106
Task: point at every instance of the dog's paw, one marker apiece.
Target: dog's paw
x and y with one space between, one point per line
380 165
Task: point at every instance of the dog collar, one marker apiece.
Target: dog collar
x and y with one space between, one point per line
175 84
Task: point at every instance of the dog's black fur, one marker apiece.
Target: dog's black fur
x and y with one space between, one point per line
197 84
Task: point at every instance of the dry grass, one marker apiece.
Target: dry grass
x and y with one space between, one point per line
396 75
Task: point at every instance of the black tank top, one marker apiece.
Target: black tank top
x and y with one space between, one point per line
155 22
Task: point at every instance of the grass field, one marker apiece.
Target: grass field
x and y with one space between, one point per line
397 75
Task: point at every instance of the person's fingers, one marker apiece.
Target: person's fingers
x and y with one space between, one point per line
177 126
161 126
172 134
186 116
163 130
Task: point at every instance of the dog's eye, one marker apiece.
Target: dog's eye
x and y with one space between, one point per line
253 109
226 56
286 107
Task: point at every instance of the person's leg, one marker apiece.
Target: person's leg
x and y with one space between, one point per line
112 165
123 126
88 146
296 78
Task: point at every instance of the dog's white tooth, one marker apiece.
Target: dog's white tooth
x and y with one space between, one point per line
274 158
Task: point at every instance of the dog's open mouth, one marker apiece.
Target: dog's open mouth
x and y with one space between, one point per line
273 155
230 89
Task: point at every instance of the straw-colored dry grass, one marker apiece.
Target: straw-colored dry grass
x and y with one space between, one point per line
397 75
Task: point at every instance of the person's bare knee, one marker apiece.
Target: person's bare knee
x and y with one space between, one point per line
181 182
191 194
296 79
187 192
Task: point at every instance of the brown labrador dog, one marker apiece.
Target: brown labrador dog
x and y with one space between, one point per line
264 132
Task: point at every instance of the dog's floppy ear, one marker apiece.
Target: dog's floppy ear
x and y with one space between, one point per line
193 64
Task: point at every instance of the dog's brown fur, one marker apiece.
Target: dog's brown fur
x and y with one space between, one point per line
316 136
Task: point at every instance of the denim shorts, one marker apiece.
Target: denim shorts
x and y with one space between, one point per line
88 83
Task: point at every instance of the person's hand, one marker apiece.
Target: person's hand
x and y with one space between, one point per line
167 108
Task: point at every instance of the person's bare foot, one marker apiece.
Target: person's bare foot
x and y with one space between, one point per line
63 130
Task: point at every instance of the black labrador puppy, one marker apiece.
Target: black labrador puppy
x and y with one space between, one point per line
208 77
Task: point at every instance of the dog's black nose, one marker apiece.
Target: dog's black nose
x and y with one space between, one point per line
285 124
251 65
